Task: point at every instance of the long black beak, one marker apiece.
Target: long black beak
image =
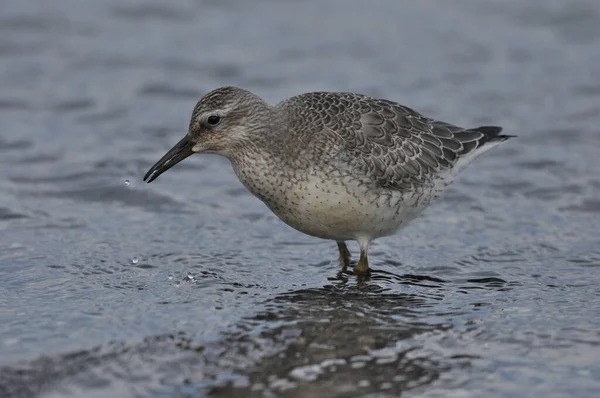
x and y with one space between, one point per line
180 151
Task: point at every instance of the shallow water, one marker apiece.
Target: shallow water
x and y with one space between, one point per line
191 287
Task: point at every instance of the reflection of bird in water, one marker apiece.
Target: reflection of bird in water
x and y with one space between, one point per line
337 166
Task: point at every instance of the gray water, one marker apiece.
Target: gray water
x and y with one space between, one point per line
190 287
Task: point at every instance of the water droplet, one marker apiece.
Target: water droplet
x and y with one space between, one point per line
170 277
127 183
135 260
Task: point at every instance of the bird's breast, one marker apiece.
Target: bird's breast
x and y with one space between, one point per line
328 204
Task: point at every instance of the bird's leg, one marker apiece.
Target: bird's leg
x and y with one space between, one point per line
362 267
344 255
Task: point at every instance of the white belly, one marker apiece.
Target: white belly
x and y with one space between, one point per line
334 206
345 211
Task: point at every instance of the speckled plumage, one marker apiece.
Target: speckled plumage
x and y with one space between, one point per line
338 166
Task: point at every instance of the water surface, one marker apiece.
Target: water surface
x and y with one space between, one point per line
191 287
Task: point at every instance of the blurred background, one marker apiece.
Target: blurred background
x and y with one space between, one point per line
190 287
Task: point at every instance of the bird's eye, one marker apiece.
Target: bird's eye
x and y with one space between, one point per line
213 120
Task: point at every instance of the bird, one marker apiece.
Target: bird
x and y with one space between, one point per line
333 165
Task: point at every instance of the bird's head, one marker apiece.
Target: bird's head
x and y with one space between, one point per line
222 121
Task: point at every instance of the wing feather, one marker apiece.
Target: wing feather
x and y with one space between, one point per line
392 145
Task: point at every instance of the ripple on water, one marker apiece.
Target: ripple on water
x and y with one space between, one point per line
340 334
168 91
101 193
8 104
150 12
73 105
16 145
7 214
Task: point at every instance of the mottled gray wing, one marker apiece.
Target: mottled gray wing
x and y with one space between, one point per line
395 146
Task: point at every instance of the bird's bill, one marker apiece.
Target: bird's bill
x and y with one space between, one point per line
180 151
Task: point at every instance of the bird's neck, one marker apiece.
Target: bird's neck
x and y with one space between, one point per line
262 163
268 151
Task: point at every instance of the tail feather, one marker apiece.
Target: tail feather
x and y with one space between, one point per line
489 137
491 134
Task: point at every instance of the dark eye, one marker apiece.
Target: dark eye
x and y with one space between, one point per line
213 120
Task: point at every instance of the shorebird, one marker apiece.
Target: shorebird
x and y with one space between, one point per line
338 166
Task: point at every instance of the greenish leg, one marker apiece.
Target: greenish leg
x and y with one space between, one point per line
344 255
362 267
